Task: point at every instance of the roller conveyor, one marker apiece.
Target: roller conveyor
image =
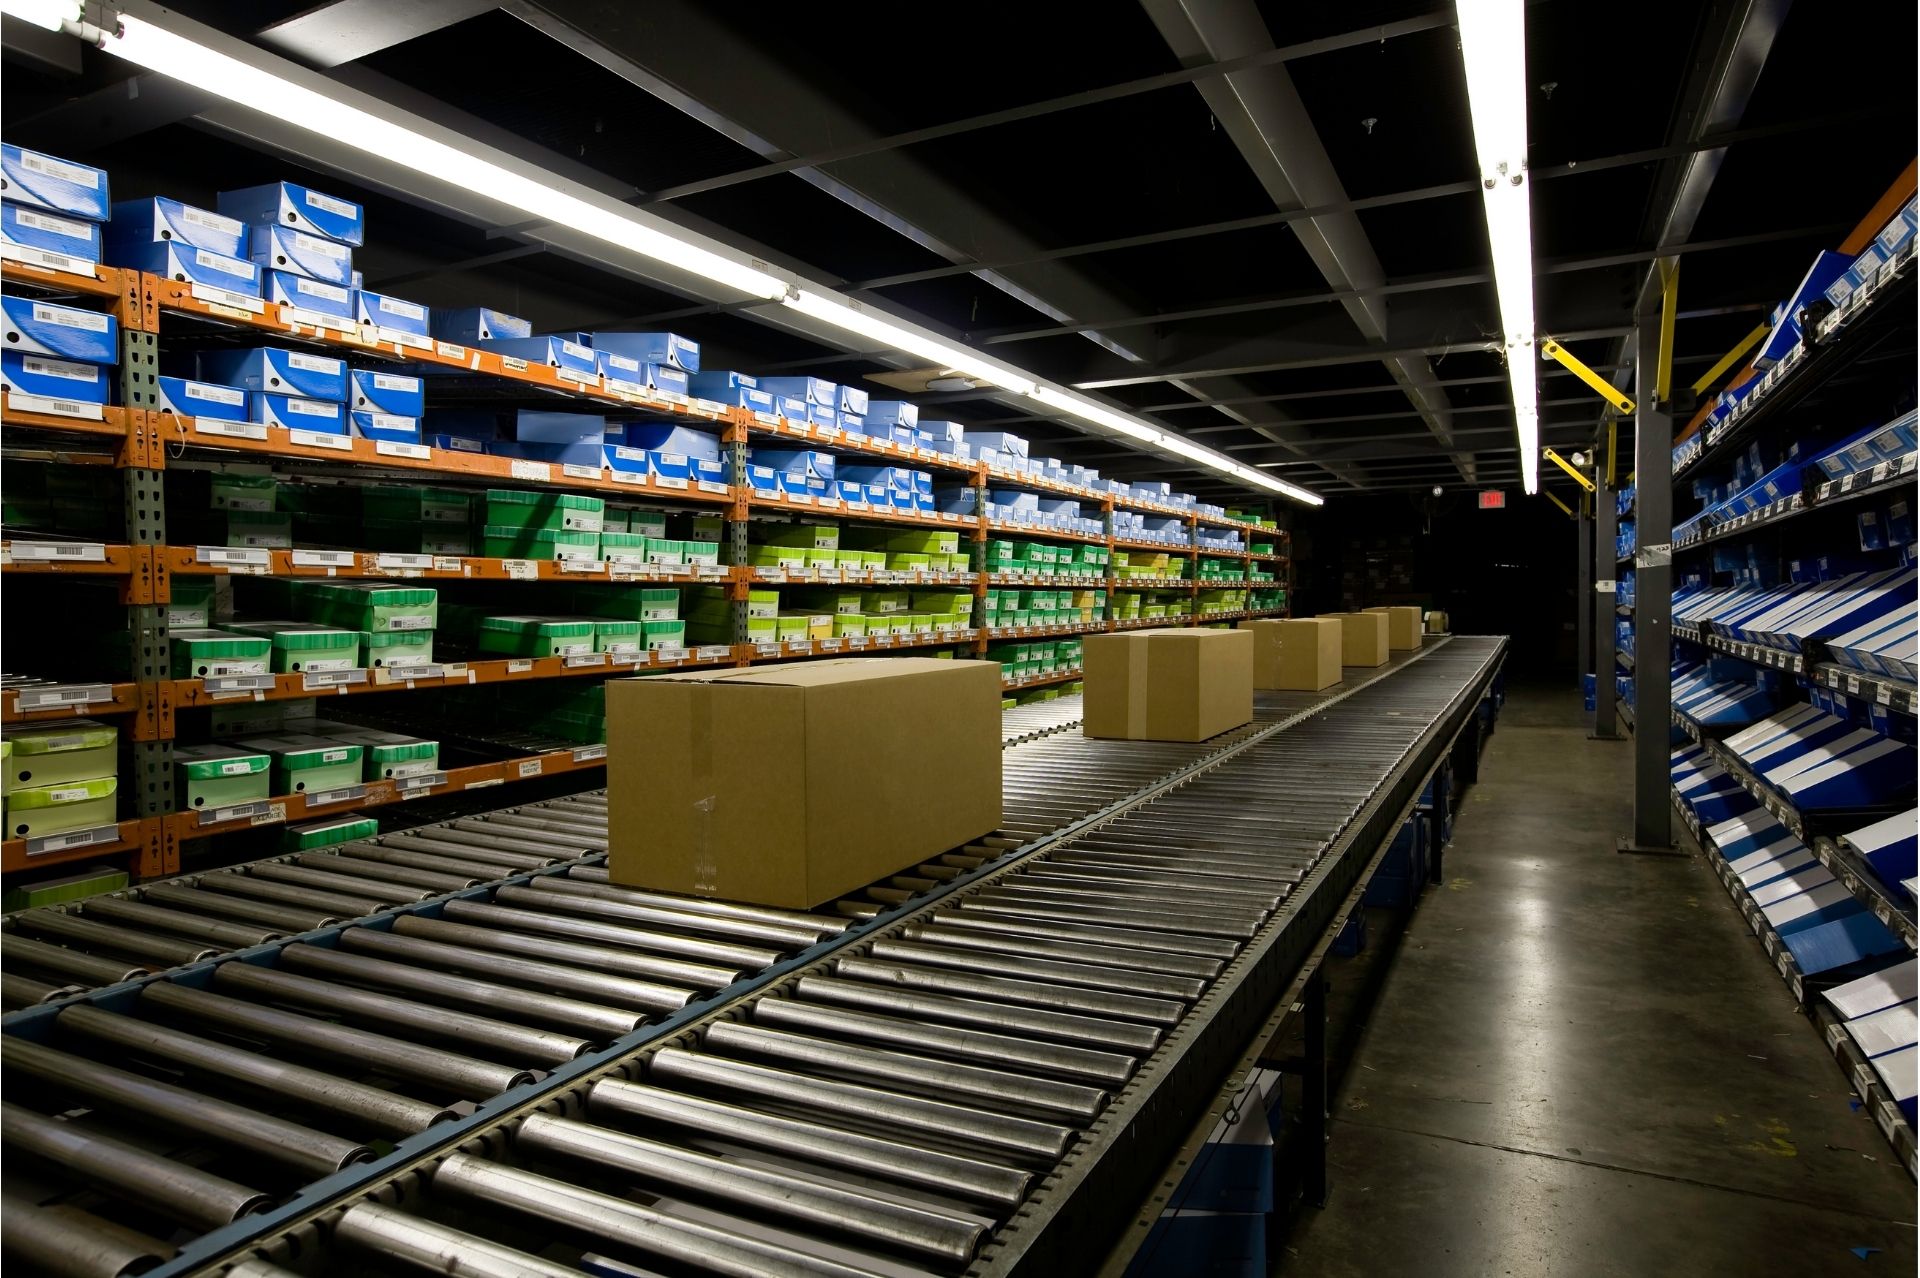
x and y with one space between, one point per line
904 1100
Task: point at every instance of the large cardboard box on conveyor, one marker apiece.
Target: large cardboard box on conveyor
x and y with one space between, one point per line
790 785
1301 655
1167 685
1363 638
1403 627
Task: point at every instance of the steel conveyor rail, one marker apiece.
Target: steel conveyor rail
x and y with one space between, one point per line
903 1085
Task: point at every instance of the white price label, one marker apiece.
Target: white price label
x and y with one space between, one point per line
581 660
521 569
713 486
713 652
232 556
72 552
588 754
663 481
519 665
538 471
531 768
392 448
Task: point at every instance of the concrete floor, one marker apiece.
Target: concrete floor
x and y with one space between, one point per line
1582 1063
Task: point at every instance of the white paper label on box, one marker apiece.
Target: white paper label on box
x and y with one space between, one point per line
56 407
74 174
61 369
540 471
419 622
67 317
327 203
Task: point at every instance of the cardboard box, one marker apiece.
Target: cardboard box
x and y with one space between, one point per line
734 783
1403 627
1363 638
48 182
285 204
1437 623
1295 656
1168 685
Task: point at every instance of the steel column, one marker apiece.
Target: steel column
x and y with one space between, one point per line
1653 585
1586 600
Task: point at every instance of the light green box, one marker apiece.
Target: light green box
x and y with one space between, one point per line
191 607
791 629
888 601
837 602
662 550
806 536
612 635
200 653
254 493
369 606
669 634
502 541
906 561
411 757
777 556
939 543
326 834
220 775
623 547
648 523
310 764
62 891
305 646
553 511
704 552
849 626
79 750
711 528
33 811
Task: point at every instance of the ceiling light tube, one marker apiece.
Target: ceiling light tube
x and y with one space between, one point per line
1099 414
856 318
1493 45
208 69
49 15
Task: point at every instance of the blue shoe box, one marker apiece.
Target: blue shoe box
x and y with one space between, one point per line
158 221
393 315
763 480
556 352
34 327
188 265
48 182
45 378
281 248
373 391
474 325
684 440
328 417
279 371
50 233
186 398
652 348
299 208
534 426
387 427
813 390
309 296
588 454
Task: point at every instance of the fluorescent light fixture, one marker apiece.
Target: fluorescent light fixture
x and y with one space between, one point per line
856 318
49 15
160 50
1493 44
238 80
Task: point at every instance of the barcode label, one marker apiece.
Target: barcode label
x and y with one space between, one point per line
588 754
539 471
233 430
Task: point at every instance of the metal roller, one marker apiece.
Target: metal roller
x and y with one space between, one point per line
517 1043
949 1175
425 840
1161 887
1022 1137
693 1243
183 1193
155 919
310 1089
334 903
602 957
544 895
1047 1096
395 1235
942 933
436 882
616 991
603 1023
462 1075
146 946
889 1222
1177 910
21 951
1084 975
566 839
286 1144
71 1243
476 870
284 919
1106 1069
596 880
21 991
1061 925
519 918
1125 1007
384 891
259 1269
1023 904
1000 1018
553 847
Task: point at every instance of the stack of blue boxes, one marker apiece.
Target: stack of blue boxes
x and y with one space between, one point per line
55 357
299 390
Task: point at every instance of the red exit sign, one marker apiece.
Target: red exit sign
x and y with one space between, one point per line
1492 499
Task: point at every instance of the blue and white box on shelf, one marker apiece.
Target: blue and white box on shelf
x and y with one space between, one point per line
661 437
188 265
34 327
1826 268
553 351
157 221
327 417
59 380
281 248
536 426
186 398
299 208
1891 847
309 296
386 427
393 316
472 325
278 371
812 390
48 182
50 233
892 412
652 348
376 392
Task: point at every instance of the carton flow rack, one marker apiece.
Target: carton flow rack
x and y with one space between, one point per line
142 444
1005 1041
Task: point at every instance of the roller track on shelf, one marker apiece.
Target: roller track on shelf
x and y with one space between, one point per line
921 1080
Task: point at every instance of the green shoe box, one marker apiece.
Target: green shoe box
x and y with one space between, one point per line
79 750
532 636
220 775
305 646
37 810
310 764
327 834
198 654
553 512
397 647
